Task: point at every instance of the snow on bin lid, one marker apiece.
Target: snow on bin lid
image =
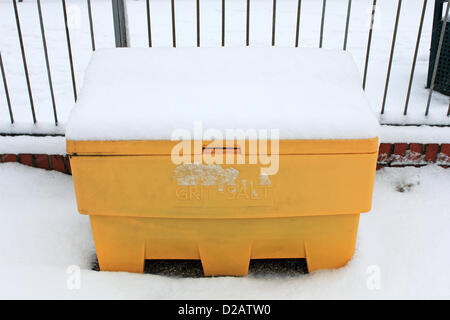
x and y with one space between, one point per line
146 94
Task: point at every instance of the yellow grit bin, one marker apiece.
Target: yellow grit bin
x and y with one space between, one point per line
144 205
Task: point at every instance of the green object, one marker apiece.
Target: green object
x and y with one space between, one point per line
442 82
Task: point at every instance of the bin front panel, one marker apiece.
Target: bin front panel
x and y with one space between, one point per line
153 186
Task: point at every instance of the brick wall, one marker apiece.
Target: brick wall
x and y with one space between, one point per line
390 155
413 154
43 161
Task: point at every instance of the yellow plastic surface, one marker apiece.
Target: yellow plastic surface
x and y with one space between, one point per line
139 210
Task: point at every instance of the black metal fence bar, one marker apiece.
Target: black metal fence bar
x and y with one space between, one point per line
5 86
120 24
297 27
198 21
438 55
47 63
322 23
69 49
369 43
247 25
416 51
91 24
274 20
223 23
347 24
391 56
149 23
174 35
24 60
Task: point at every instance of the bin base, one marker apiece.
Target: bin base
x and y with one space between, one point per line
224 246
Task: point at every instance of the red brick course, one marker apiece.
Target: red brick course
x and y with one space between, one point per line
42 161
384 153
444 155
26 159
414 154
400 152
58 163
431 152
9 158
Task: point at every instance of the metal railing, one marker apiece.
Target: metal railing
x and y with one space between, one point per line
122 40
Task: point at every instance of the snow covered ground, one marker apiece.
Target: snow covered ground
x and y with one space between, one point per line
260 35
402 247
